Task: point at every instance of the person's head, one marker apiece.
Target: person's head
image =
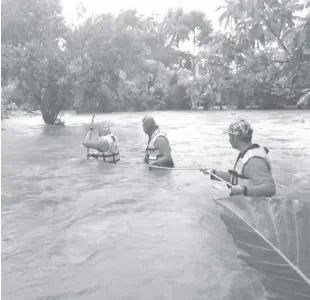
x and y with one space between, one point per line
149 125
240 134
104 129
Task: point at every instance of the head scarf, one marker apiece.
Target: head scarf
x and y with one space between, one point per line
241 128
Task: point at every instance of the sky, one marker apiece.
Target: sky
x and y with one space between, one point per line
143 7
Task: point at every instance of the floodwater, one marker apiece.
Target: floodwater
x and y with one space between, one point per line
80 229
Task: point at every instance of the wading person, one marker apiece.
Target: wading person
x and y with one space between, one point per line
158 151
107 145
251 175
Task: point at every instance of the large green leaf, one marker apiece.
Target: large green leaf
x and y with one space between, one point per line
274 237
305 98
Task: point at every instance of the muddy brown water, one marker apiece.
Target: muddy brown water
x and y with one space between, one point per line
78 229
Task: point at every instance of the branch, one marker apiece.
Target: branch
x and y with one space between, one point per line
274 61
252 52
276 36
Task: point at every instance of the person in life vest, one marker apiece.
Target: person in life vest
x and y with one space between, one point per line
158 151
252 174
107 145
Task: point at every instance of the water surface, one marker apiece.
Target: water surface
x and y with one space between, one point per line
80 229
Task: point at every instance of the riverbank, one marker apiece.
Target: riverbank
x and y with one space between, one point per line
62 120
19 113
11 113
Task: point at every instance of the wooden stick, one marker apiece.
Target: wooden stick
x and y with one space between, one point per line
92 121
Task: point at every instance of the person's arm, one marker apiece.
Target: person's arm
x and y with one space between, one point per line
258 172
101 145
163 147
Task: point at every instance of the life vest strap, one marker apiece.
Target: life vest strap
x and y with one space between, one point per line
150 149
92 155
104 156
234 173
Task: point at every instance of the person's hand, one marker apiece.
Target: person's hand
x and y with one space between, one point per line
237 190
205 170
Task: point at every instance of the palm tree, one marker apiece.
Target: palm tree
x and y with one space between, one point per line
173 27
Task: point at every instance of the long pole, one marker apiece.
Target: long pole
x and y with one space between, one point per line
92 121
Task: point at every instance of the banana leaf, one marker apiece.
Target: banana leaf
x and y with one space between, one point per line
274 239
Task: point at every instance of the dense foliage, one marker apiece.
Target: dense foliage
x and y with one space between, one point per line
131 62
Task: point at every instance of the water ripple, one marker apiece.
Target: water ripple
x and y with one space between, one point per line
78 229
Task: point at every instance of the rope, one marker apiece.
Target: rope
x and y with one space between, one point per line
198 169
194 169
182 168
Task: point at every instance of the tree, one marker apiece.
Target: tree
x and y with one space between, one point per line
134 62
107 46
34 44
267 37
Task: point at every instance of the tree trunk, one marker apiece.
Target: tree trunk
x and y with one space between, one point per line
220 98
2 110
49 117
239 100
